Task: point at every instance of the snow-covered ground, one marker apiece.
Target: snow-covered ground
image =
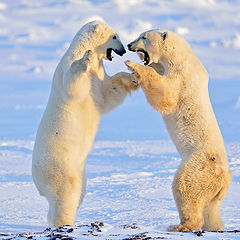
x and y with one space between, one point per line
129 190
132 164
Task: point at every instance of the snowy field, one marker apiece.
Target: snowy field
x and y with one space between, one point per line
133 161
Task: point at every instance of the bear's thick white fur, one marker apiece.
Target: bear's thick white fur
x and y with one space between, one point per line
81 92
176 85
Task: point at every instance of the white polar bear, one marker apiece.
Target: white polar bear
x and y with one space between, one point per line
81 92
176 85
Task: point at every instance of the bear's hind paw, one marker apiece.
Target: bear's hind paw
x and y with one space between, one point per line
178 228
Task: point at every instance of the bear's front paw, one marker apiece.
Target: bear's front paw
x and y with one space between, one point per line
88 56
87 59
133 67
83 64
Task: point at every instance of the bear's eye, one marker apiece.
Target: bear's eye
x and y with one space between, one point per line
114 37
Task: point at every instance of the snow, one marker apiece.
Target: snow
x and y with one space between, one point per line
131 166
129 182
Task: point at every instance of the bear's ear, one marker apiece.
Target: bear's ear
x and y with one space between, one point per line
164 35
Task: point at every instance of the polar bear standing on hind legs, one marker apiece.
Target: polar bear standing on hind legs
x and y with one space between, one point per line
176 85
81 92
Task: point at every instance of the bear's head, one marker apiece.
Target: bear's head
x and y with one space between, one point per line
155 46
100 38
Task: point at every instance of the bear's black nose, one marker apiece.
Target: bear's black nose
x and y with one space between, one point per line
123 51
129 46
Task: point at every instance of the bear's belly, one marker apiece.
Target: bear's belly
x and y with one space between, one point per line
64 138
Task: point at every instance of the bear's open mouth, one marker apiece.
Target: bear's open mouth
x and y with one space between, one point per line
145 58
109 54
118 52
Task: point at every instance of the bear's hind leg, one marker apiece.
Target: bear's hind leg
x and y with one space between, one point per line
211 213
191 217
190 208
64 203
62 210
212 218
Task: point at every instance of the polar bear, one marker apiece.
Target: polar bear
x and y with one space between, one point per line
176 84
81 92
